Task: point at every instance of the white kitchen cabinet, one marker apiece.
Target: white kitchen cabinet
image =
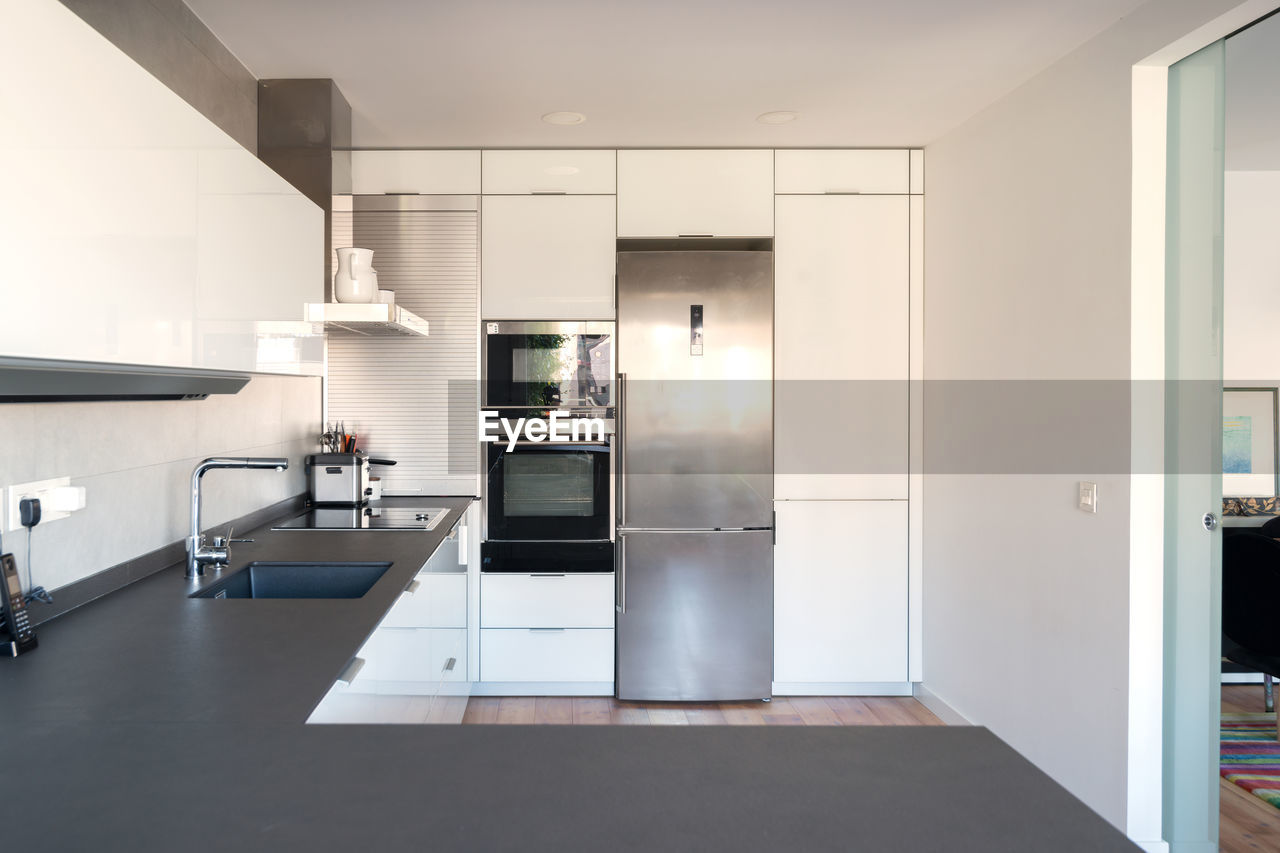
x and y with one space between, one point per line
841 346
546 601
547 257
840 596
576 655
574 171
420 172
439 601
721 193
153 239
842 171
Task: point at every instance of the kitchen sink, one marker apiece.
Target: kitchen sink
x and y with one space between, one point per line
297 580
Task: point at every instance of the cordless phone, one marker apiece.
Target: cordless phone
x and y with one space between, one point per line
21 636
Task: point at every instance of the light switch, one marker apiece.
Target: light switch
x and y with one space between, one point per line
1088 497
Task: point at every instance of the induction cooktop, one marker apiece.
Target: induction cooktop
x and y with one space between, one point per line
366 518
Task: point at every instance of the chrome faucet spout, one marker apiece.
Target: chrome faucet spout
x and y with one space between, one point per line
198 554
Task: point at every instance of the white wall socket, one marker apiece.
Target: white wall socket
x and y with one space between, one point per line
1088 497
40 489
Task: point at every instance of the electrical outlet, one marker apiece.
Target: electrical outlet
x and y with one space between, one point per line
39 489
1088 499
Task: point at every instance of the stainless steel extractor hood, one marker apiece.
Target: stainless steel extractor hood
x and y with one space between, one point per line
39 380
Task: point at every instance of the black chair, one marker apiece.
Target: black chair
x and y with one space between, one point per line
1251 602
1271 528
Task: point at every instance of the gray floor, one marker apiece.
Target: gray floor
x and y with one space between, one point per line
372 788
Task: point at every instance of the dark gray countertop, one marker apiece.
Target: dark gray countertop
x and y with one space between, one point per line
148 653
147 721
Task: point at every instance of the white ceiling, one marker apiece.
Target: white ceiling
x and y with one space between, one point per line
472 73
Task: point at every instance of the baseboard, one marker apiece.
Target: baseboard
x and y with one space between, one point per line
542 688
1242 678
841 688
1152 846
940 709
81 592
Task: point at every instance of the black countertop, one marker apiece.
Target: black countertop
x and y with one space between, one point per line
148 721
148 653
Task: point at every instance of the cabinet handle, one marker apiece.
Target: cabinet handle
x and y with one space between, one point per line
546 630
695 235
462 545
842 192
448 665
619 450
548 192
546 576
412 587
352 670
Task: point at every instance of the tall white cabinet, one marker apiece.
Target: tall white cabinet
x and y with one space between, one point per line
845 605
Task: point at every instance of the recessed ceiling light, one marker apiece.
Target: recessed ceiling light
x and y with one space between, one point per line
564 118
777 117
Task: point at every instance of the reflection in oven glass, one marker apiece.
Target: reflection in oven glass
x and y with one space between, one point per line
548 484
554 369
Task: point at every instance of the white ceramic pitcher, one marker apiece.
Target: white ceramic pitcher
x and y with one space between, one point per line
355 280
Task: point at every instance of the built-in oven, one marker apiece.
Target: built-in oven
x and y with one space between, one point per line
535 364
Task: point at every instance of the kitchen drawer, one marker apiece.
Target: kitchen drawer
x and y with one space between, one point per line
414 660
450 556
434 172
864 171
531 654
546 601
440 601
572 172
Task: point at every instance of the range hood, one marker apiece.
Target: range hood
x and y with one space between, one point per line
39 380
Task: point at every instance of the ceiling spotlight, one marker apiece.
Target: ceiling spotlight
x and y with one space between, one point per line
777 117
564 118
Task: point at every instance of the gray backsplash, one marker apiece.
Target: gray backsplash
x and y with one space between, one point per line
135 459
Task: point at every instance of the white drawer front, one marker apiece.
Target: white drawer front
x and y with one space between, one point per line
546 601
440 601
523 654
549 171
854 171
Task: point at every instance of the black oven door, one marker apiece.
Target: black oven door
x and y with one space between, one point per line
544 365
549 492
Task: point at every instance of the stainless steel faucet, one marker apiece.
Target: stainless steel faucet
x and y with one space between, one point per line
198 554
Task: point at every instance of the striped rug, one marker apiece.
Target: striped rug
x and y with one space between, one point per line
1251 754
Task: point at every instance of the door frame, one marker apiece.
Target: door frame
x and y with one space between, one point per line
1147 627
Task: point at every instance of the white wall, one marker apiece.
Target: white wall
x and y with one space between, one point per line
1028 278
1251 279
135 459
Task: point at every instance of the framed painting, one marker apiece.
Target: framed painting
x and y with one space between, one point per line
1249 449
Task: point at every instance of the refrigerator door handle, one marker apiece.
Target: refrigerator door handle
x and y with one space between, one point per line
620 575
620 447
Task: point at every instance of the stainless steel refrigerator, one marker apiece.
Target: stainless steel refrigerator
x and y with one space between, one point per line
695 475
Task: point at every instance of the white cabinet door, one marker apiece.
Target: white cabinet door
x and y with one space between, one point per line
439 601
549 171
704 193
423 172
546 601
840 592
866 170
547 257
841 346
546 655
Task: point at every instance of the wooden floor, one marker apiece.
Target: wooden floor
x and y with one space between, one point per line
794 711
1247 823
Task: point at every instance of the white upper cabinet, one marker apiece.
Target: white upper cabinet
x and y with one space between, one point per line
840 593
866 171
530 172
841 345
917 171
133 229
695 193
421 172
547 257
